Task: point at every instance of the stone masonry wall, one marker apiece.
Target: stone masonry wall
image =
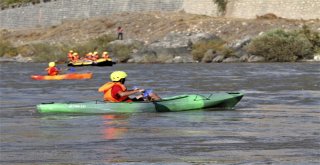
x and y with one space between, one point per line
292 9
203 7
56 11
53 13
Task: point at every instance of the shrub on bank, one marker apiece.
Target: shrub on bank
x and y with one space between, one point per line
313 37
44 52
6 48
122 52
97 44
199 49
6 3
282 46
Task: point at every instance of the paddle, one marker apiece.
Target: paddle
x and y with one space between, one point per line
71 69
145 93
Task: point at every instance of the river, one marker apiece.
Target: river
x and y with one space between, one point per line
276 122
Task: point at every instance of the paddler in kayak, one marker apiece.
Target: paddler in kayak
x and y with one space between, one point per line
115 91
52 69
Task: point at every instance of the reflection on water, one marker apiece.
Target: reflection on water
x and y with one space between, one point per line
277 122
112 130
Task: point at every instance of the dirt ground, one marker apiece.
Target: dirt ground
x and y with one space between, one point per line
152 26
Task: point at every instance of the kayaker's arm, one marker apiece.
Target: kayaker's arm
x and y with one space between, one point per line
130 92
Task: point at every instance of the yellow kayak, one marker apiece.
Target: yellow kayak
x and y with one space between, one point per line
99 62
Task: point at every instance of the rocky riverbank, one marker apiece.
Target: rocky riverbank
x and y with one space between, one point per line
159 37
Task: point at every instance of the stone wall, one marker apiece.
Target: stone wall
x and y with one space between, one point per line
56 11
206 7
292 9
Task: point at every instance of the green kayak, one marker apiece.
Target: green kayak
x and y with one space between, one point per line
171 104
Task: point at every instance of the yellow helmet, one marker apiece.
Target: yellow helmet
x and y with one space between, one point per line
95 52
90 53
70 51
117 75
105 52
52 64
75 53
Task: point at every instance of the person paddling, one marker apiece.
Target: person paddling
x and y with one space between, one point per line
52 69
116 91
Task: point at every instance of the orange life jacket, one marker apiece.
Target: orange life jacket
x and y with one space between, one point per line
70 56
107 90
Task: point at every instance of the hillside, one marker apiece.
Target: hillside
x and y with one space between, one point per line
149 27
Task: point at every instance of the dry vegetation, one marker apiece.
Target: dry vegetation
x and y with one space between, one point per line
92 34
152 26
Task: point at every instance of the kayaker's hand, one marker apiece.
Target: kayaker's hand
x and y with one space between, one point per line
139 90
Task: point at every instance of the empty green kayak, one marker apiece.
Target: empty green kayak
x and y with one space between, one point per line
225 100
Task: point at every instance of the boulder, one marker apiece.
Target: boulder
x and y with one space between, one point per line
203 37
218 58
134 44
239 44
244 58
174 48
231 59
316 57
254 58
167 49
208 56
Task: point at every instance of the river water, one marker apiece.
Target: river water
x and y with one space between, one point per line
276 122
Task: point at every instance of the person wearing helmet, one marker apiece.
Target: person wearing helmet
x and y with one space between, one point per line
52 69
70 56
116 91
105 55
75 56
88 56
95 56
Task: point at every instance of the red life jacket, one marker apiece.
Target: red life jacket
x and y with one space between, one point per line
52 71
107 90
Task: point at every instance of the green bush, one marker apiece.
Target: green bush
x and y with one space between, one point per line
98 44
6 48
222 5
199 49
312 36
122 52
281 46
44 52
6 3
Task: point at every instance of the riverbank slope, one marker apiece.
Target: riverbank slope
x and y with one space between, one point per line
153 26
